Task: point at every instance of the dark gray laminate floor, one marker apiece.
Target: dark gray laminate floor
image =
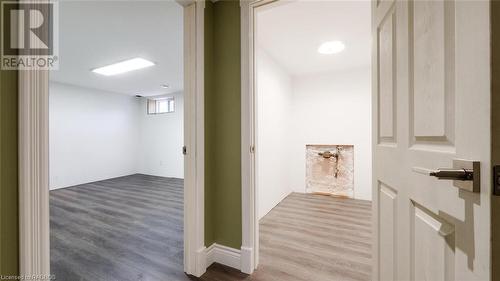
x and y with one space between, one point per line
127 228
310 238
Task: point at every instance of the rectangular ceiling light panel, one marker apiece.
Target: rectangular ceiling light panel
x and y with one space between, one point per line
124 66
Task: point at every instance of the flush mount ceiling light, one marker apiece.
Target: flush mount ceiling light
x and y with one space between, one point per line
331 47
165 86
123 66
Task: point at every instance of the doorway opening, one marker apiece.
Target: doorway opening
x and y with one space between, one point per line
311 125
116 132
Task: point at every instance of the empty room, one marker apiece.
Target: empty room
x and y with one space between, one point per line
116 136
313 140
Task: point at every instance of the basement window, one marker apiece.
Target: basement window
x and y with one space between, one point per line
161 105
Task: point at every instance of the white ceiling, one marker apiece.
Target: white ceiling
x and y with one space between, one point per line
97 33
292 32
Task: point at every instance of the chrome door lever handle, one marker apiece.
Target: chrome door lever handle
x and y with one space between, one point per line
453 174
465 174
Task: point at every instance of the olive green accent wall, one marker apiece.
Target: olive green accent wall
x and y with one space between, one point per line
8 174
209 125
9 243
223 123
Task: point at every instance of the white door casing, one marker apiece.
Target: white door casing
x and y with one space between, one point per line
194 138
249 211
431 105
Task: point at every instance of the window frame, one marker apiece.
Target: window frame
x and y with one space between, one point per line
153 105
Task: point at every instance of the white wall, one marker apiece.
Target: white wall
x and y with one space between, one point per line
93 135
162 138
326 108
96 135
274 87
333 108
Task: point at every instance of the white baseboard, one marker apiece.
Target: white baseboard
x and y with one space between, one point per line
224 255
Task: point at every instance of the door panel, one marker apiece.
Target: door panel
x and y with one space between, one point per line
386 39
431 105
428 68
431 54
432 246
388 231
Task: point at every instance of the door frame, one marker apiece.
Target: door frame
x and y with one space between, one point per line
249 198
34 233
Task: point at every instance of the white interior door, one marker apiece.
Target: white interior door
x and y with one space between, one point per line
431 105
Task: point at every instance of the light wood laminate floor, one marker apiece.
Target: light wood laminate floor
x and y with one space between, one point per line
310 237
